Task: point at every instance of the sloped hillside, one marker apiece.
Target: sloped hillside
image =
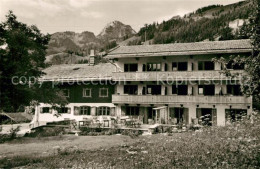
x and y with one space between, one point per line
207 23
81 43
71 41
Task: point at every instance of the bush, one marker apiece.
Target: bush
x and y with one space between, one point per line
46 132
10 136
132 133
85 131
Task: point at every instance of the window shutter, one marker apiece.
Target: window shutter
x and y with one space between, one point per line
112 111
41 109
198 113
214 117
123 110
69 110
186 115
92 111
76 110
166 91
97 109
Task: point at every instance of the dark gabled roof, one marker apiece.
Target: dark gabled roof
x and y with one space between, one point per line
210 47
78 72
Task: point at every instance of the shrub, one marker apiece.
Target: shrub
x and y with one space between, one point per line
46 132
85 131
131 133
10 136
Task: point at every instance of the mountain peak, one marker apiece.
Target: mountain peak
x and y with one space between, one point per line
116 30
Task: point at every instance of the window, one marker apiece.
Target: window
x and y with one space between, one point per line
206 90
45 110
132 111
234 90
130 89
180 66
152 67
180 89
103 111
63 110
131 67
154 89
103 92
66 92
86 92
177 114
206 65
233 115
206 116
235 66
85 110
174 66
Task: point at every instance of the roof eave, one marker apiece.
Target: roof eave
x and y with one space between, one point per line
72 79
152 54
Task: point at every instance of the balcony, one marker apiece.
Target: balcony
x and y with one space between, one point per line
171 99
173 75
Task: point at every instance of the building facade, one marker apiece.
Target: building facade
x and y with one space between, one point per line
167 84
180 83
88 89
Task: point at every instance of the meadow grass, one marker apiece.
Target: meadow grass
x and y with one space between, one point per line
233 146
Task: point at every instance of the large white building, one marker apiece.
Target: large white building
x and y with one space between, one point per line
179 83
168 84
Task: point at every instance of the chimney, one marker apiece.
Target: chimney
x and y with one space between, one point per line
92 57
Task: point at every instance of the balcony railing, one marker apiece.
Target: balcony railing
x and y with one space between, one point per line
160 99
174 75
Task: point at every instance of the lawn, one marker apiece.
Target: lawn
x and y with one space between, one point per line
236 146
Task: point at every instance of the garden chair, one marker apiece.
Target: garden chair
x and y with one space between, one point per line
73 125
105 121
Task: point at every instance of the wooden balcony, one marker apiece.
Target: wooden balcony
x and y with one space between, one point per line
174 75
171 99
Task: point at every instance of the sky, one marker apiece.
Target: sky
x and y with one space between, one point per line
52 16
